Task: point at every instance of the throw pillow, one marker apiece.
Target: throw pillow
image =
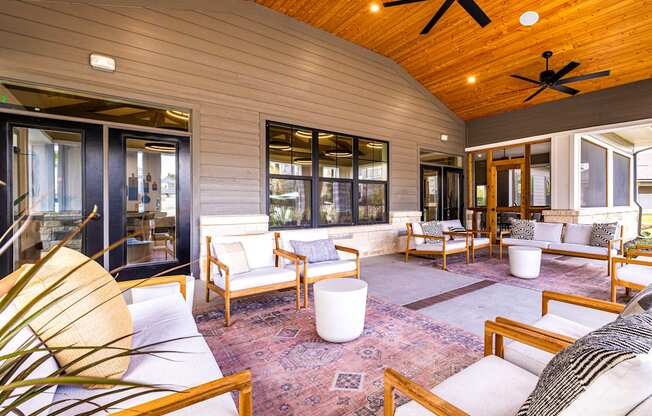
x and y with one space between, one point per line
457 229
87 309
642 302
234 256
606 372
522 229
316 251
602 233
434 229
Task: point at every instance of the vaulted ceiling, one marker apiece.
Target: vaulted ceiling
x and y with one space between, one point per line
599 34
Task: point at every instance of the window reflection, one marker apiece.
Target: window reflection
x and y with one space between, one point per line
289 202
151 201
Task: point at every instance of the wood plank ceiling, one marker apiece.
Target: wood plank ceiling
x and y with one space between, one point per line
599 34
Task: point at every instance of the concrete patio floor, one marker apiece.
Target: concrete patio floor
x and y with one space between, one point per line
463 301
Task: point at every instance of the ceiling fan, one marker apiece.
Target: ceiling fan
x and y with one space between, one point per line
552 79
470 6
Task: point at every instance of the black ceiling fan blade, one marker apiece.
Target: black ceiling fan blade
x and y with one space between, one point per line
400 2
447 4
565 70
564 89
535 94
475 11
585 77
524 79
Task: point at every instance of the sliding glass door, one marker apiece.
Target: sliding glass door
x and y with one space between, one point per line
51 178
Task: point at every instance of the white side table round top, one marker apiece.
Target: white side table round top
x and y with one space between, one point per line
340 306
524 262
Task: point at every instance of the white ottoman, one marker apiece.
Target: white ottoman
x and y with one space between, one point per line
524 262
340 306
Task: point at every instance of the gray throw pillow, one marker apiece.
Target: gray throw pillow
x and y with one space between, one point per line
642 302
432 228
602 233
316 251
522 229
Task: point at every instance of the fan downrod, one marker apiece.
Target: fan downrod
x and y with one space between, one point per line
546 75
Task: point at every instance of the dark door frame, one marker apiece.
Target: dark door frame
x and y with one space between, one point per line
443 187
92 177
118 204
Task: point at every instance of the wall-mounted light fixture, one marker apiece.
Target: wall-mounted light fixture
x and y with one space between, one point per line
444 137
102 62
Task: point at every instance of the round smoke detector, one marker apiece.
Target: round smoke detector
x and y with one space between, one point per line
529 18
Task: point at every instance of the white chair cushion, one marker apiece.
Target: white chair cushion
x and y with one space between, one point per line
535 360
46 369
643 409
330 267
310 234
481 241
141 294
578 234
256 278
450 245
489 387
635 273
529 243
259 248
582 249
158 320
548 231
233 255
417 229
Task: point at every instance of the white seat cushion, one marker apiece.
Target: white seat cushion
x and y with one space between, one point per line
259 248
635 273
158 320
450 245
535 360
489 387
480 242
330 267
578 234
580 248
548 231
256 278
529 243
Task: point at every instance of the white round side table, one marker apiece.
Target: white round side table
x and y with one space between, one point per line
524 262
340 306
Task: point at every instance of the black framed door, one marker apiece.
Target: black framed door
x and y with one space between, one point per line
431 192
442 193
452 195
53 171
150 203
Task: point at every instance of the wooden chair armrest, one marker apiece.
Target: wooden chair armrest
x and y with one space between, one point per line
219 264
504 233
531 328
393 380
517 333
239 381
432 237
643 246
288 255
460 233
155 281
481 232
598 304
347 249
637 252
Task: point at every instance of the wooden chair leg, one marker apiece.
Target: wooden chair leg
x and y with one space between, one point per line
227 309
443 266
614 286
467 255
491 249
298 289
628 292
208 293
500 255
407 255
305 293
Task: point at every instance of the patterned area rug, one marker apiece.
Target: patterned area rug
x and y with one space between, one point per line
297 373
558 273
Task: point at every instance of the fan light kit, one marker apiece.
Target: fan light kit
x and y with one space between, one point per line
551 79
339 153
529 18
279 145
161 147
303 161
375 8
374 145
180 115
470 6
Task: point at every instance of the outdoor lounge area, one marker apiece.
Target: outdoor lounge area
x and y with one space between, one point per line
334 208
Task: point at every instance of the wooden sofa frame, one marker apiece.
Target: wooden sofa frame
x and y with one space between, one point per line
495 332
240 381
228 294
304 260
616 281
608 256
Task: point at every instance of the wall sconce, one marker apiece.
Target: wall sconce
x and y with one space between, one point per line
102 63
444 137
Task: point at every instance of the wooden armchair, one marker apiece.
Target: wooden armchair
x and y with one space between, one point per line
490 386
476 240
311 273
267 276
419 243
633 273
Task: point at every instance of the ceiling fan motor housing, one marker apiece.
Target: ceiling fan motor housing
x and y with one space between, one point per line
546 75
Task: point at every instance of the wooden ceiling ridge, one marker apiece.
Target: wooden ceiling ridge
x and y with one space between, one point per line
601 35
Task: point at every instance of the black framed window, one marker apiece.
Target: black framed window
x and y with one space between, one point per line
319 178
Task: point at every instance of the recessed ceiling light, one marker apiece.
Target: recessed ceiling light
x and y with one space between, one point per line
529 18
471 79
444 137
375 8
